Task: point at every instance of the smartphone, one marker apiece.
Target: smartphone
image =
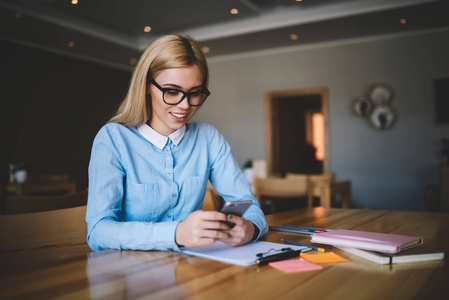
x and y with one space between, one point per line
237 208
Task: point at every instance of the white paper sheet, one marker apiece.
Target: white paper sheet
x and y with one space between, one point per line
243 256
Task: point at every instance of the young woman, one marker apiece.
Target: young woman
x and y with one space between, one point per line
149 168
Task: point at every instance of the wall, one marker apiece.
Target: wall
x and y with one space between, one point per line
52 107
388 169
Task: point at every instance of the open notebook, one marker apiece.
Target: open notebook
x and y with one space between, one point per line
243 256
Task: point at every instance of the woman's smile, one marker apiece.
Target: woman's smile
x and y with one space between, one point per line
179 117
166 118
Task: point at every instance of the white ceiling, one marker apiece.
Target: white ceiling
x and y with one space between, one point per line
111 31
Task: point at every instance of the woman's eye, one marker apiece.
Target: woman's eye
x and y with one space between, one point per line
172 92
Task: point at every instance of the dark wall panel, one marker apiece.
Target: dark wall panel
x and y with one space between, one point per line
51 108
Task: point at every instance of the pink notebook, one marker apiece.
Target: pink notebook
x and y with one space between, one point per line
380 242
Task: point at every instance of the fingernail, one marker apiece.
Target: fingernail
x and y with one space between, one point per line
229 217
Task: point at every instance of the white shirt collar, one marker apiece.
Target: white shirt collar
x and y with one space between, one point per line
158 139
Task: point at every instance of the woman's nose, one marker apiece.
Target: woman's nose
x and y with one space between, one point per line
184 104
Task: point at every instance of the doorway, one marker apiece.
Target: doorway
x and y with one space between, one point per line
297 132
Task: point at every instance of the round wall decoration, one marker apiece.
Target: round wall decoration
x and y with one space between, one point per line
376 106
381 93
363 106
383 117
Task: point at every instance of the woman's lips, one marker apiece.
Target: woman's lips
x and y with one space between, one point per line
179 117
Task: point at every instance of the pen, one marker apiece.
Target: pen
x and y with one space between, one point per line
299 229
313 229
277 257
307 231
299 244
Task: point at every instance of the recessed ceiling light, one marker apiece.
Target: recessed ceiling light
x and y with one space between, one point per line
294 36
298 0
234 11
205 49
133 61
147 29
403 21
71 44
74 2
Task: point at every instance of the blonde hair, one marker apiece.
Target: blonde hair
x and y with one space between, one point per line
166 52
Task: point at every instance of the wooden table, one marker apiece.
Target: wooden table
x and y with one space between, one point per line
41 188
326 190
69 272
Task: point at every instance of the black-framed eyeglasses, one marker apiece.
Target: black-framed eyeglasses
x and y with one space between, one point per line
174 96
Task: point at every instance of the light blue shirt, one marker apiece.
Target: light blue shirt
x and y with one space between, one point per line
142 184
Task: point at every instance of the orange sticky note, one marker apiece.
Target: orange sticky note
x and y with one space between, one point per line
294 266
323 258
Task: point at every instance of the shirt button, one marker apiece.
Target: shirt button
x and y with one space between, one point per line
169 216
174 195
168 173
167 150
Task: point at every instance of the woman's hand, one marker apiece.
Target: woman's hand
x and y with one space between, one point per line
241 233
202 228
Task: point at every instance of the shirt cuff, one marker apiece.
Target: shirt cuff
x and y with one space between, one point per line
164 235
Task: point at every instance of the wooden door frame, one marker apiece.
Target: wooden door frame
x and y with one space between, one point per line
269 98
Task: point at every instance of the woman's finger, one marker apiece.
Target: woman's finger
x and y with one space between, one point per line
215 225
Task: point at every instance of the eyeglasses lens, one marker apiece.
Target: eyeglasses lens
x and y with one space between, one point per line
175 96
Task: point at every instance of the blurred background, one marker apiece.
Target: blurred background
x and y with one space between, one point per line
365 82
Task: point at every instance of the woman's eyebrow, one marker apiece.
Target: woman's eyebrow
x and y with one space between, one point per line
180 87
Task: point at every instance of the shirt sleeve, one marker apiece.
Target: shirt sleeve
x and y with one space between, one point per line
106 228
229 181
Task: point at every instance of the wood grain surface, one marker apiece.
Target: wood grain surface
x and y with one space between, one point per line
73 272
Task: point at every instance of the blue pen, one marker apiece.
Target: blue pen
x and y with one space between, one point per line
299 244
